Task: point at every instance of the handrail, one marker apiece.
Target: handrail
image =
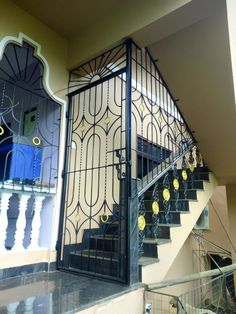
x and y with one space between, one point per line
196 276
212 243
159 175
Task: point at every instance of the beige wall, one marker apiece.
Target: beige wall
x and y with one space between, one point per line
126 19
231 201
186 263
218 220
54 48
231 13
129 303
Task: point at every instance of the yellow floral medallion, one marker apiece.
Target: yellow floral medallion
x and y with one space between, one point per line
155 207
141 222
36 141
176 184
184 175
104 218
191 167
166 194
1 130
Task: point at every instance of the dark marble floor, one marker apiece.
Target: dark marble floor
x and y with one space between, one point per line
54 292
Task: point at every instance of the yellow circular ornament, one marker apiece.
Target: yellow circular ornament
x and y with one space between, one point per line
184 175
141 222
155 207
36 141
166 194
191 167
104 218
1 130
176 184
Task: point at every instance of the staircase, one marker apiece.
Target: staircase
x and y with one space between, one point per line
174 221
100 253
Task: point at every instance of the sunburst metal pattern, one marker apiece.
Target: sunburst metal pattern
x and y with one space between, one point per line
29 123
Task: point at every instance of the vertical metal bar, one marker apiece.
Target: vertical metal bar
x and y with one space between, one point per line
128 149
64 184
131 211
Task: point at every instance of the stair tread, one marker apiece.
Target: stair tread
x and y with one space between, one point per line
173 200
144 261
165 225
156 241
111 256
170 211
105 237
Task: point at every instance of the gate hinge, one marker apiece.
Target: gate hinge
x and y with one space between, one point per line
63 173
67 115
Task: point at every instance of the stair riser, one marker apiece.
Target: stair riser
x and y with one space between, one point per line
104 245
163 232
180 194
172 218
182 205
150 250
110 229
103 267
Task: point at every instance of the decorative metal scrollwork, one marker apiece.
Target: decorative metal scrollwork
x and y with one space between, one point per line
166 198
36 141
184 176
104 217
176 186
191 167
1 130
141 225
155 210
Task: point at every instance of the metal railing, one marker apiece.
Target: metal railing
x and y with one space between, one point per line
215 295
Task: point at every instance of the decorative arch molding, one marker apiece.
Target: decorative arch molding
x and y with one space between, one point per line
37 52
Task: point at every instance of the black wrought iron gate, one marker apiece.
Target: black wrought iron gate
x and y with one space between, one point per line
94 222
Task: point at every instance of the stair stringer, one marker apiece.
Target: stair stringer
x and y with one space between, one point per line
167 252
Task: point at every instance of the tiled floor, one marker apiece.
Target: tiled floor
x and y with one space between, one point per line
55 292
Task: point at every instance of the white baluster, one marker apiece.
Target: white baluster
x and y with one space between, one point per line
36 224
29 305
4 205
21 223
11 308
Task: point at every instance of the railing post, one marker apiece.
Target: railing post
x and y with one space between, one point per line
29 305
11 308
36 223
4 205
21 222
131 193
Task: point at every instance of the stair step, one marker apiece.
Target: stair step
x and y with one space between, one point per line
97 254
169 225
191 176
183 205
196 185
172 217
181 194
156 241
104 243
92 263
144 261
163 231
